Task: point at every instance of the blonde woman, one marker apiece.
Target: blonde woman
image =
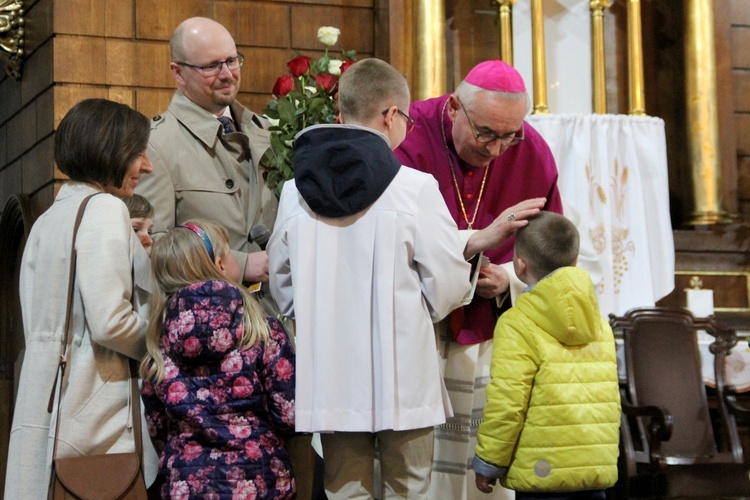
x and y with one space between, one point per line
218 377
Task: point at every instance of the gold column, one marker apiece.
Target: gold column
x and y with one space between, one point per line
635 60
505 14
430 35
538 58
702 114
597 54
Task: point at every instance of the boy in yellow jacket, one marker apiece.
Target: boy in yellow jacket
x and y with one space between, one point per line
551 424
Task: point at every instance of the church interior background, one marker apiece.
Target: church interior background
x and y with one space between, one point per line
647 113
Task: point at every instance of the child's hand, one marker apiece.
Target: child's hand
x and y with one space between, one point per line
484 484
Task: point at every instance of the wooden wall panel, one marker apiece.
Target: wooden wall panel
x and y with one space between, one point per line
23 132
79 17
11 181
124 95
741 47
740 12
38 72
38 165
45 110
80 59
742 92
261 69
137 64
743 178
347 3
3 145
151 102
157 19
38 26
740 34
742 125
66 96
11 98
356 25
256 24
119 20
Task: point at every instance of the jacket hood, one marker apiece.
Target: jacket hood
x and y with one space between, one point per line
203 322
564 305
340 170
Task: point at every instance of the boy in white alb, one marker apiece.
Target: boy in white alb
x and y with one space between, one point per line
365 256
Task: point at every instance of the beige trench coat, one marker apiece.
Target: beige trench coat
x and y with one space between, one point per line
201 173
106 331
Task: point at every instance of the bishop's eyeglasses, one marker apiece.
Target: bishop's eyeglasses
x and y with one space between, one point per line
509 139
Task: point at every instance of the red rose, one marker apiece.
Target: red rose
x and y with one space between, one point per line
326 80
345 65
299 65
283 86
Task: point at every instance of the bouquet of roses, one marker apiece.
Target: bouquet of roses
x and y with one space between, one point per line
304 97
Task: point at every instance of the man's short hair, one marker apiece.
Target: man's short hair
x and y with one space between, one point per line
548 242
368 87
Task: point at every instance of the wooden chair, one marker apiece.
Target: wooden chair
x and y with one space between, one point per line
673 443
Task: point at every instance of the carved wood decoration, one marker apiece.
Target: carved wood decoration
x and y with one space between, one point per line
11 36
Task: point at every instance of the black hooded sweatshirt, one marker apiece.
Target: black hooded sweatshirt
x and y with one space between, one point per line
340 170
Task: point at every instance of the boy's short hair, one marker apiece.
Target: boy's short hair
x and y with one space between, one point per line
368 87
548 242
138 206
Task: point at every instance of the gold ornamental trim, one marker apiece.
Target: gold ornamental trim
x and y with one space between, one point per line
12 36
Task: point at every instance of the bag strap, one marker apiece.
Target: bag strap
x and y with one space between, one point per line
133 365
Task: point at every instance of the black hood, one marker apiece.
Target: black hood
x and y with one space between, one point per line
340 170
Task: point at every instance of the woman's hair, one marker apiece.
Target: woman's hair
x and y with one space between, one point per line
548 242
179 259
139 206
98 140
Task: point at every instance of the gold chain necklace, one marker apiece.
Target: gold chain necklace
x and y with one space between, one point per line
469 223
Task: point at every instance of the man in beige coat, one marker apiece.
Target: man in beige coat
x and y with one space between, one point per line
202 168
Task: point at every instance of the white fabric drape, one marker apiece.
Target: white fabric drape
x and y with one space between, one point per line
613 179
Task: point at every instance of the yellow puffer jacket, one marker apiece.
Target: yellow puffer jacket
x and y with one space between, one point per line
553 407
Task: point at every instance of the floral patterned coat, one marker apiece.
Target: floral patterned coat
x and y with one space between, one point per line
218 417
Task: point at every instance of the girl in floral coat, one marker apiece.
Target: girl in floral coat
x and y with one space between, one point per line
218 383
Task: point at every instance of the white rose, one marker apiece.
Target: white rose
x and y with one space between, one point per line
273 121
328 35
334 66
312 90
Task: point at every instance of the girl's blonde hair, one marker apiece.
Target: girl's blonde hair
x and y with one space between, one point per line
179 259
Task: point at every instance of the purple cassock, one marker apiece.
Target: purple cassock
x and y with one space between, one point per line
526 170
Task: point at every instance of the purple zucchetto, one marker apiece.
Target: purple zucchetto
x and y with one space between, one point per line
496 75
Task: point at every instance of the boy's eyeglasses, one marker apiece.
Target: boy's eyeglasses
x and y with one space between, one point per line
409 120
509 139
214 69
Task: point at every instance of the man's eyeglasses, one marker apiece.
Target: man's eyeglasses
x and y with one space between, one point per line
214 69
509 139
409 120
